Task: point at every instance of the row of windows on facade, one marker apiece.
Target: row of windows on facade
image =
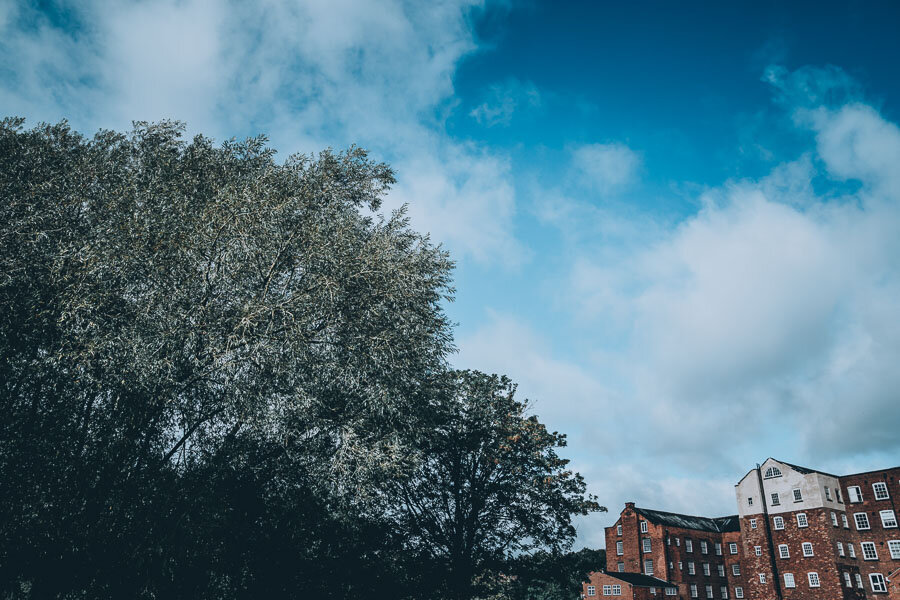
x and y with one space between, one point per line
860 519
854 492
869 550
876 580
616 590
692 569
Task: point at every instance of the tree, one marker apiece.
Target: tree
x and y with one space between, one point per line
486 487
177 318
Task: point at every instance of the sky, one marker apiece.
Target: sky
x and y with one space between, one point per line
675 225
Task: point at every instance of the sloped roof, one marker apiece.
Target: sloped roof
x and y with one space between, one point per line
716 525
641 580
804 470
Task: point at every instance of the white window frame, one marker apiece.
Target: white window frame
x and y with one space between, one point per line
678 541
732 547
718 549
646 545
591 590
802 521
738 592
847 582
692 570
709 591
704 547
840 548
783 551
807 548
844 521
834 520
620 567
670 591
757 550
894 549
688 545
762 577
620 548
723 591
798 495
648 566
851 550
706 569
876 580
644 527
859 582
858 518
736 569
891 521
749 500
854 494
776 500
869 551
681 565
694 593
617 589
789 580
880 489
814 580
779 522
828 493
618 530
772 472
752 523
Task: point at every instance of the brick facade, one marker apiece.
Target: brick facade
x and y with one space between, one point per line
800 535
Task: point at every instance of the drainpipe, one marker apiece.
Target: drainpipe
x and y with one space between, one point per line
771 543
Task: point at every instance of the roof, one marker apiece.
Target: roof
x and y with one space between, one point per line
641 580
716 525
805 470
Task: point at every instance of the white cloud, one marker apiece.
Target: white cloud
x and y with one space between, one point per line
310 75
606 168
503 100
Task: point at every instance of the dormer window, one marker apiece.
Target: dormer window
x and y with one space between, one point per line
772 472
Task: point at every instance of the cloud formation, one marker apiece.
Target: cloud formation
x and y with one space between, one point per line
606 168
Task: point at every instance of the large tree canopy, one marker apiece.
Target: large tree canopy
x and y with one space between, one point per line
161 301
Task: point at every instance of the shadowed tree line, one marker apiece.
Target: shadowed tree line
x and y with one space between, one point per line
225 377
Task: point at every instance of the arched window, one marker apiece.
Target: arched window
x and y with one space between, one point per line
772 472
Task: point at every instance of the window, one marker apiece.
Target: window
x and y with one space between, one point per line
752 523
671 591
850 550
772 472
704 547
706 569
693 590
723 591
678 541
877 581
680 566
798 497
620 567
807 549
648 567
762 577
688 546
671 566
709 591
779 522
592 591
607 590
757 550
718 549
834 518
894 547
868 550
775 499
732 547
653 591
813 579
617 590
827 493
643 526
789 580
668 540
888 519
844 521
854 493
847 582
840 547
837 493
801 520
646 544
739 592
862 520
691 569
880 489
721 570
750 501
620 550
858 580
618 530
736 570
783 551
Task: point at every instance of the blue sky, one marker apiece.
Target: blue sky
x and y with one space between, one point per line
675 224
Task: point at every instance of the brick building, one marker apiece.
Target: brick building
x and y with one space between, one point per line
800 534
